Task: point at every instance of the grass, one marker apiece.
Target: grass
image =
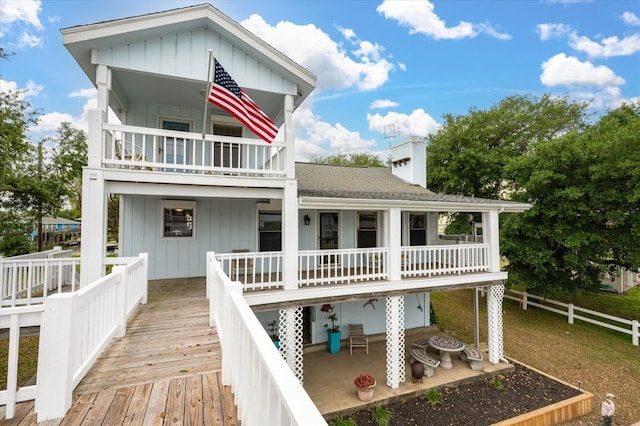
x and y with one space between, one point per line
27 361
433 397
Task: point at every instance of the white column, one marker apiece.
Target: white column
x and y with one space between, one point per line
94 226
395 341
290 235
491 236
290 332
289 137
495 295
393 241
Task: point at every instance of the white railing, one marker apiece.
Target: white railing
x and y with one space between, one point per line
14 319
444 259
256 270
25 280
75 328
142 148
264 386
572 312
320 267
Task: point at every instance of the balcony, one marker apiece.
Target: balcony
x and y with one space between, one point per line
148 149
259 271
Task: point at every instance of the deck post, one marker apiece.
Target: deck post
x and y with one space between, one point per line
55 361
395 341
494 314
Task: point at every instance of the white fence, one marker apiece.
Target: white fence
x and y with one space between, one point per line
74 329
30 278
143 148
256 270
263 384
444 259
572 312
343 266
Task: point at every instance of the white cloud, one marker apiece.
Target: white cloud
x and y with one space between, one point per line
29 40
418 123
561 70
316 138
608 47
631 18
420 18
30 91
23 12
549 31
383 103
314 49
84 93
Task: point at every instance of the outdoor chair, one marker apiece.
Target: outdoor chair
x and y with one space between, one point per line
357 338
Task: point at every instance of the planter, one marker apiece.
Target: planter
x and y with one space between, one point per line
366 394
277 343
333 342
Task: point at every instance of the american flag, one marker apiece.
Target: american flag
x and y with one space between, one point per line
226 94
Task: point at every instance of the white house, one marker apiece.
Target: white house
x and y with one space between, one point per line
297 235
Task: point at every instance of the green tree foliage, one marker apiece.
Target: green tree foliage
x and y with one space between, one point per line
469 153
364 160
585 190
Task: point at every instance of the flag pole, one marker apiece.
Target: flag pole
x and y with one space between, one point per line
206 94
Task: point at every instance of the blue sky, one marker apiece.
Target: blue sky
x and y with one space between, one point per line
387 70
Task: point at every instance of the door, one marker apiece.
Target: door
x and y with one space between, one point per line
175 149
329 235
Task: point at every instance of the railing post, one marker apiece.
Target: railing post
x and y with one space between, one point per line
121 299
570 313
145 277
55 360
634 332
524 301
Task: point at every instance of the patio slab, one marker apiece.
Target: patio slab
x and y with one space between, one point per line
328 378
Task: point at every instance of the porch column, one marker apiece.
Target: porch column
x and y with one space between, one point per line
491 236
395 341
290 332
94 226
495 295
290 235
393 242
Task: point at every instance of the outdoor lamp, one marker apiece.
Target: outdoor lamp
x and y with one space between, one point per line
307 220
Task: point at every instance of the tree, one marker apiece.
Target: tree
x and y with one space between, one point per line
585 191
469 153
368 160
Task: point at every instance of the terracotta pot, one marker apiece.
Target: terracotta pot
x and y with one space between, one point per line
366 394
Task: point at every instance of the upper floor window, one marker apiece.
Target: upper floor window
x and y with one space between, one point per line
367 230
270 231
178 218
417 229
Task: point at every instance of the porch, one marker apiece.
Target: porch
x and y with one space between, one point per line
264 270
145 375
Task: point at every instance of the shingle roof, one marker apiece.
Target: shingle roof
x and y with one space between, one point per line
375 183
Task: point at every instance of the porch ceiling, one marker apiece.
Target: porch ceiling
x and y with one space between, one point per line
302 301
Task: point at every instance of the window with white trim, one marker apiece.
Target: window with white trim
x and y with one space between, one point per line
270 231
367 230
417 229
178 218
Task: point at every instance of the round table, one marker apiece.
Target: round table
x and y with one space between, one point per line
446 344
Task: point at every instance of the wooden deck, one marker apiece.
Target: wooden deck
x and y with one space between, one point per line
166 370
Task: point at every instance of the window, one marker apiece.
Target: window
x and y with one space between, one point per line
367 230
270 230
226 154
417 229
178 219
175 149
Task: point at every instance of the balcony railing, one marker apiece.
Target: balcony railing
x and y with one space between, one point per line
263 270
142 148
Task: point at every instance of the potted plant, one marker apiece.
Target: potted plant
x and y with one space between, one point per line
273 333
333 329
365 383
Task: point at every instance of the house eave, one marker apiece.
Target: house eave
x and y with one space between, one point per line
377 204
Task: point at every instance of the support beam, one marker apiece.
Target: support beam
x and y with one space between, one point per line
290 332
94 226
495 295
395 341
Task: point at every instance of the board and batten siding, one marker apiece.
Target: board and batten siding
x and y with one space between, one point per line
221 225
185 54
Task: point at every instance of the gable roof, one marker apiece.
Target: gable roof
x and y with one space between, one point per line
345 184
95 43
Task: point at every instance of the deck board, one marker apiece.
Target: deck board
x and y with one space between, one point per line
165 370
